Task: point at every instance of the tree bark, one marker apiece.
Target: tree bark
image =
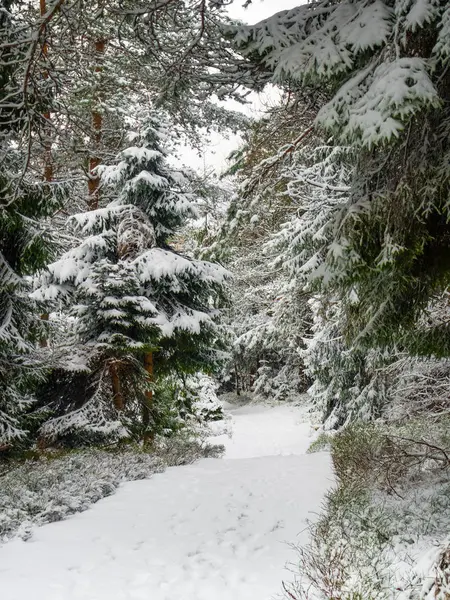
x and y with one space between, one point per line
148 400
48 162
236 375
47 142
97 126
118 399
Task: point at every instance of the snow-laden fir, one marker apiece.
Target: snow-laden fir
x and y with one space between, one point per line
129 294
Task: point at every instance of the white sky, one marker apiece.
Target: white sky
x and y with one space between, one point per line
215 153
219 147
259 9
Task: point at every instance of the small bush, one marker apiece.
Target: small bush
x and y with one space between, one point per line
392 501
391 456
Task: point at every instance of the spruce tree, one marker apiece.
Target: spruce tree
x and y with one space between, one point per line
137 301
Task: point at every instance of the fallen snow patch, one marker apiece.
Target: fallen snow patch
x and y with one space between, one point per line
217 529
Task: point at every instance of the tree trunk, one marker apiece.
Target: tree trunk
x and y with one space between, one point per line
47 142
148 400
236 375
97 126
43 342
118 399
48 162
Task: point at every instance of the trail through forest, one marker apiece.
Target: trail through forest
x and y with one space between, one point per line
219 529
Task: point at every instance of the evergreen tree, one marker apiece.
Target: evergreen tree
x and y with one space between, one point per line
301 333
131 293
90 68
386 65
26 242
269 314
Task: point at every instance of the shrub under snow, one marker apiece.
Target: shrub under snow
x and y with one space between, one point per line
384 533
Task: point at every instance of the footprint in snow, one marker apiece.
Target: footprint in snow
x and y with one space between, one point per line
278 525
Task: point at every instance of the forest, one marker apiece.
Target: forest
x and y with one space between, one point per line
142 296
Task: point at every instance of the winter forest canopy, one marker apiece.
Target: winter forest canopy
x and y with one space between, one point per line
134 288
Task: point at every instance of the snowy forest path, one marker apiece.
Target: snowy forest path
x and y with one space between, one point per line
218 529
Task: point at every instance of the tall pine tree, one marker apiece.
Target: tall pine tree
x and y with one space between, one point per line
138 304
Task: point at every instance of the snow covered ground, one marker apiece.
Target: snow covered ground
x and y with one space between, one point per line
216 530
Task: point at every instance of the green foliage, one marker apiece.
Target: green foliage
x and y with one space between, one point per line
397 254
169 409
132 295
323 442
372 234
113 315
184 403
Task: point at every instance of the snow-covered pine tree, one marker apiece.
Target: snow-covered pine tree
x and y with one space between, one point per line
25 240
386 66
25 247
269 315
133 296
344 379
312 183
